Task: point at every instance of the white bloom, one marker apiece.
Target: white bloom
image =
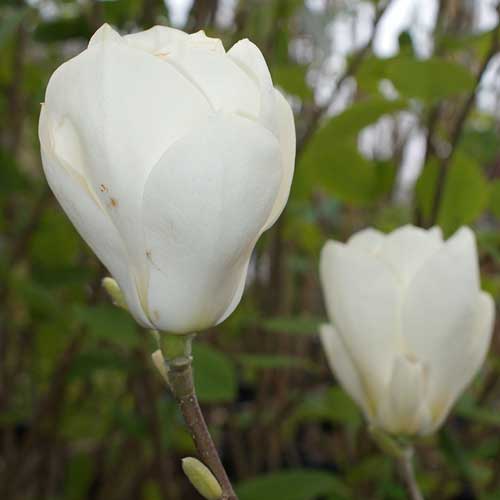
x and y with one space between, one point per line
410 326
171 157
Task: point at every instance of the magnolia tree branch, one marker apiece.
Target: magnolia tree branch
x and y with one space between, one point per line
180 377
456 132
352 68
407 471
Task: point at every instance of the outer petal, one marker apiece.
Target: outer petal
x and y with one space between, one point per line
362 301
156 39
240 288
464 360
342 365
126 108
403 409
439 310
227 87
205 203
250 59
407 248
368 240
286 126
86 214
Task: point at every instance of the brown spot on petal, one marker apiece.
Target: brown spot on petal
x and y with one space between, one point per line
114 202
103 188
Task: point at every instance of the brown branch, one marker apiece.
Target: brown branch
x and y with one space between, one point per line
407 472
432 122
181 381
458 127
352 68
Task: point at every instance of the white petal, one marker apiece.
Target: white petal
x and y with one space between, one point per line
126 108
201 40
239 289
286 136
439 309
90 220
105 34
156 39
407 248
436 232
368 240
226 86
362 301
205 204
343 366
250 59
463 361
403 406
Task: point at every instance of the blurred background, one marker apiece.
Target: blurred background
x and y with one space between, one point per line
397 108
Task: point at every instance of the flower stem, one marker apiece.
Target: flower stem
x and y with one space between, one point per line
407 471
180 375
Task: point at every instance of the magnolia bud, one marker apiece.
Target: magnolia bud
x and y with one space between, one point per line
410 326
170 164
159 362
113 289
201 478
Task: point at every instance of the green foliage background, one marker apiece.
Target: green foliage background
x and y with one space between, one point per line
83 413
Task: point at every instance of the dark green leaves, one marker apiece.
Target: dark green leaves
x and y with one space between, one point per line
332 161
214 374
292 79
429 80
109 323
298 484
63 29
465 195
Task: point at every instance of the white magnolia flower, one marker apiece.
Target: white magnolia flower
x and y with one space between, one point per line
410 326
171 157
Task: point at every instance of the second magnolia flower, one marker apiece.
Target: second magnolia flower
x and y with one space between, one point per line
410 326
171 157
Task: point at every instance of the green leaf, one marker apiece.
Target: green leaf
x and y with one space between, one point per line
295 484
295 325
426 79
341 171
359 115
481 143
332 160
425 189
92 361
333 405
109 323
465 195
59 30
430 79
214 375
292 79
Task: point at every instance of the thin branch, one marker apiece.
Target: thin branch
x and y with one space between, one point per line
458 127
352 68
406 469
180 377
